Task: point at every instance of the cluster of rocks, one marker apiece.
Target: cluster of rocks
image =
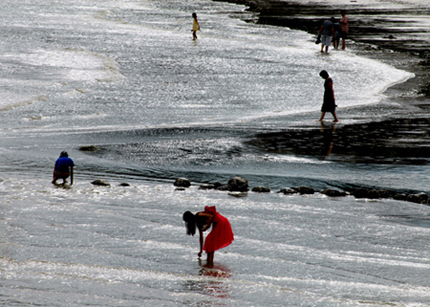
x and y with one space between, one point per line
235 184
239 184
419 198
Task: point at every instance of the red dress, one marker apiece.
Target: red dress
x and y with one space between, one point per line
221 234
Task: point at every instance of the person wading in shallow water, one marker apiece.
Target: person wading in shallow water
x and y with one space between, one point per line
344 23
327 31
220 236
196 26
63 168
329 101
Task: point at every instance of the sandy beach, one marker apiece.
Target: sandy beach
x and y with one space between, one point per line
391 35
338 217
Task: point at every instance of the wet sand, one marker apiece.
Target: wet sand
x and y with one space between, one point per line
394 141
396 37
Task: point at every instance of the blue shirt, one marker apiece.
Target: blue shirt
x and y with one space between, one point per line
64 165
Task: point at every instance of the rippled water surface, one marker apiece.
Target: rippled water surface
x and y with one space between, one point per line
125 76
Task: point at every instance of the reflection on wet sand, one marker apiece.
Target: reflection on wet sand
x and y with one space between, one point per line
327 130
215 284
213 281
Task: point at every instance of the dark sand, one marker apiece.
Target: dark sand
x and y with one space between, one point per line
388 35
398 141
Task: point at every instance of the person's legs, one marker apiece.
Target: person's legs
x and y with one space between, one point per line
210 259
322 116
343 36
326 42
63 176
323 42
55 177
335 117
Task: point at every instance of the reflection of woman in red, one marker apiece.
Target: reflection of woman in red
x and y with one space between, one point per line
220 236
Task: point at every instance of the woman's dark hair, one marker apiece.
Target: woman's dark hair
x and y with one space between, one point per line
190 223
324 74
194 15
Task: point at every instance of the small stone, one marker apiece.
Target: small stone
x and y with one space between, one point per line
305 190
260 190
100 182
223 187
420 198
238 194
89 148
373 194
384 194
333 193
238 184
400 197
413 198
182 182
423 196
288 191
360 193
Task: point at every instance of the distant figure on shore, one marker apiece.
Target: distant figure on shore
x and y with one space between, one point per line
196 26
336 37
63 168
220 236
326 32
329 101
344 28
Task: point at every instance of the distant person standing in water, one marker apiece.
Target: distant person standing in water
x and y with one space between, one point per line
329 101
336 38
220 236
196 26
63 168
326 32
344 23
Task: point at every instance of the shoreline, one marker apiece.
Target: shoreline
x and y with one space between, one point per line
375 34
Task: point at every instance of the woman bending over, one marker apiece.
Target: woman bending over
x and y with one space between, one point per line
220 236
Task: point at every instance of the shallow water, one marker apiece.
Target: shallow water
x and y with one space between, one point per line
127 78
127 246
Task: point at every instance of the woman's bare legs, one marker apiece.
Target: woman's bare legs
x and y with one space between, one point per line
335 117
210 259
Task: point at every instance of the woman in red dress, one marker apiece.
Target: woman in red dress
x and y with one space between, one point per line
220 236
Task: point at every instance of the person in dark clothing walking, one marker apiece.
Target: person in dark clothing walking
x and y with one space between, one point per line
329 104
